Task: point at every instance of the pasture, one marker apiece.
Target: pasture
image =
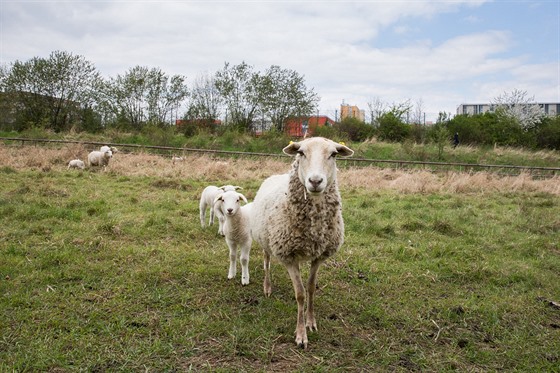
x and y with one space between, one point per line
109 270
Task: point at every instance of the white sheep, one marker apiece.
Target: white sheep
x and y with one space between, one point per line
237 231
297 217
176 159
76 163
99 158
207 198
104 148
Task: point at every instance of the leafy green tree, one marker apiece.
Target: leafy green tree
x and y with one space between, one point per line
355 129
238 87
547 134
282 94
144 96
205 100
51 92
392 128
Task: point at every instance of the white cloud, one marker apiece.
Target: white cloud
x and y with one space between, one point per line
340 47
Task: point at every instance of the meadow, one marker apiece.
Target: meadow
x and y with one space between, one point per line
110 270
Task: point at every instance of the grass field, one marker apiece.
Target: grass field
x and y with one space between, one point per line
110 271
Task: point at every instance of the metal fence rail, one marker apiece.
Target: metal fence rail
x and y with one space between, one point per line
536 172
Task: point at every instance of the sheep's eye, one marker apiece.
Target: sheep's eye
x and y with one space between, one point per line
333 154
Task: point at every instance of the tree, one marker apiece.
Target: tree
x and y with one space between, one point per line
205 100
238 86
144 95
53 91
518 107
282 94
392 128
376 110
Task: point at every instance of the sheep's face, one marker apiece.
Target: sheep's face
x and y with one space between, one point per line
231 201
108 154
317 162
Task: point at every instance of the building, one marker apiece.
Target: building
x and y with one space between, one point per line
305 126
347 111
473 109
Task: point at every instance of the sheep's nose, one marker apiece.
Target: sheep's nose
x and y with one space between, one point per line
315 181
229 211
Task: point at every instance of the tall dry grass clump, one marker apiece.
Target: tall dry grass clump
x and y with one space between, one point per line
204 167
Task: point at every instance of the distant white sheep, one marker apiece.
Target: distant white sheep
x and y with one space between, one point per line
104 148
76 163
237 231
297 217
99 158
207 198
176 159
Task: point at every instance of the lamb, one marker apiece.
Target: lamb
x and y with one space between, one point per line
76 163
237 231
297 217
207 198
99 158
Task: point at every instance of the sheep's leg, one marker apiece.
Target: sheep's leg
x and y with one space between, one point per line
301 332
266 283
221 224
245 251
311 323
211 216
202 208
232 259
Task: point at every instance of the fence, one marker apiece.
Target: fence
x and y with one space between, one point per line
506 170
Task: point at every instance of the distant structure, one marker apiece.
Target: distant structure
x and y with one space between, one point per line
305 126
347 111
549 108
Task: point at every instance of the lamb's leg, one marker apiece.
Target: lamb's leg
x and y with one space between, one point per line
232 259
221 224
311 323
266 283
202 208
301 332
245 251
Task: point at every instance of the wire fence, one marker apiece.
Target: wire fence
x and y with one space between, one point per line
505 170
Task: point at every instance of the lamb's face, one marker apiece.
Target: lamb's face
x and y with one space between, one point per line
231 201
317 162
108 154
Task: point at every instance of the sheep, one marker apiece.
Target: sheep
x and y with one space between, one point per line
99 158
104 148
297 217
207 198
175 159
237 231
76 163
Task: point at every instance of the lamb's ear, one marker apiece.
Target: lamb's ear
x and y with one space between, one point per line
237 187
218 198
243 197
343 151
292 149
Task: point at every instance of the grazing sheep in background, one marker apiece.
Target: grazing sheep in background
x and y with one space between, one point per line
297 217
237 231
76 163
99 158
207 198
104 148
175 159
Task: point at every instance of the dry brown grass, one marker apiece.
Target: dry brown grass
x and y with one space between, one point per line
216 170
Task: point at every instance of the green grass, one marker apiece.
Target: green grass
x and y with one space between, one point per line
101 272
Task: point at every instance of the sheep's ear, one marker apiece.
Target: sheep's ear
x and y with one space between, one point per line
292 149
343 151
238 187
242 197
218 198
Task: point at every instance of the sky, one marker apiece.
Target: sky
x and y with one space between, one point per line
434 54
